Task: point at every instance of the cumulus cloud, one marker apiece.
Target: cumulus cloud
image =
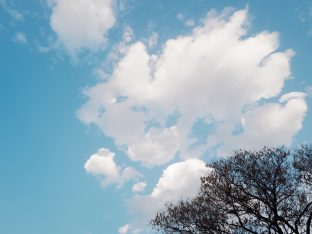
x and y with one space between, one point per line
103 165
218 75
82 24
281 120
179 180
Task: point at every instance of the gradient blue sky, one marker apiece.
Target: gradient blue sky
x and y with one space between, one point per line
45 83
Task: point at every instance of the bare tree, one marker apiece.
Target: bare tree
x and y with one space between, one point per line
259 192
303 163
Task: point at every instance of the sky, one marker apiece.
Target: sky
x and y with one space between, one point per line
111 108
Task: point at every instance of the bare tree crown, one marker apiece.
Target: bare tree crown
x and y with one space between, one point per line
260 192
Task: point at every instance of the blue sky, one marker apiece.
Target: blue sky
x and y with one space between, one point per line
111 108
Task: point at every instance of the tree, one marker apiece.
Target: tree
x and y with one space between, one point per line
303 163
259 192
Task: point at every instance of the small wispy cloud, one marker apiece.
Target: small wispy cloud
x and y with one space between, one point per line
20 38
138 187
308 90
12 11
180 16
304 15
189 23
153 40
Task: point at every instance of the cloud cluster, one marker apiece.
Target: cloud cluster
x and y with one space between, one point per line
82 24
218 75
103 165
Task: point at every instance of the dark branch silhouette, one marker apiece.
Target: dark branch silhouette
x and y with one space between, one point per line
259 192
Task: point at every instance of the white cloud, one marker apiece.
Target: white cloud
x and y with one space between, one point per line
102 165
20 37
286 97
138 187
208 75
82 24
124 229
178 181
281 120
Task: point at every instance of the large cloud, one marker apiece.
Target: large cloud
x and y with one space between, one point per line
82 24
218 76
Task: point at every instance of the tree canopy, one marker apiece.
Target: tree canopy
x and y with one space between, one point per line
260 192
